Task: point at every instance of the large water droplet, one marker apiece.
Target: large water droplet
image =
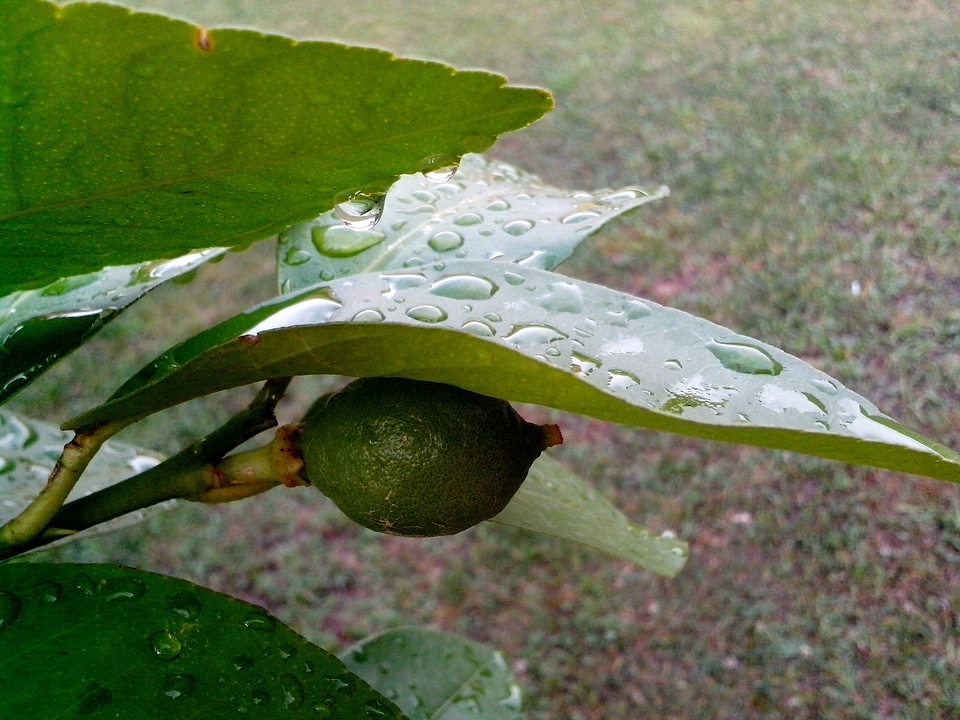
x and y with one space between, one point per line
579 217
622 380
368 316
464 287
295 256
165 645
825 386
9 609
439 168
122 589
582 365
311 311
498 205
467 219
478 328
291 691
531 335
259 620
185 605
176 687
48 591
516 228
360 210
427 313
402 281
341 241
445 241
93 698
477 143
744 358
673 364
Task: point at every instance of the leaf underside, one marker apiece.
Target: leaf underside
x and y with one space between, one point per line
564 343
108 641
436 676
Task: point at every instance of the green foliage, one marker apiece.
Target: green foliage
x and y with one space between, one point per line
134 644
135 136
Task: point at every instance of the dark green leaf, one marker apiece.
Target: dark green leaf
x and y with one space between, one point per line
559 342
126 137
435 676
107 641
38 327
487 211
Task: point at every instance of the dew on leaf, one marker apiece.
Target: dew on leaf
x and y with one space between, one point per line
427 313
185 605
563 297
296 256
464 287
478 328
530 335
498 205
467 219
516 228
825 386
179 686
513 278
359 210
48 591
291 691
122 589
368 315
377 709
93 698
311 311
744 358
402 281
243 662
439 168
343 241
259 620
9 609
579 217
260 696
165 645
673 364
445 241
621 380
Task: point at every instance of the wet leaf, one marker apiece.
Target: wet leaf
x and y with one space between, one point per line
488 210
533 336
435 676
554 501
39 327
126 137
30 448
108 641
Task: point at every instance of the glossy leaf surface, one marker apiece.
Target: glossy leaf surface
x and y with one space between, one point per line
127 137
555 501
436 676
559 342
487 210
38 327
108 641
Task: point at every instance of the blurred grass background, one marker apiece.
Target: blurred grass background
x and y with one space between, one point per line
813 152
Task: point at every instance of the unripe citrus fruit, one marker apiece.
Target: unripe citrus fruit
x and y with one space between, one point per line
416 458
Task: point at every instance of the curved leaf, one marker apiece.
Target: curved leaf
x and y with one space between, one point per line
127 136
565 344
555 501
38 327
30 448
488 210
435 676
108 641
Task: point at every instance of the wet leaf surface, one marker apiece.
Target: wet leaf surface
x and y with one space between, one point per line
107 641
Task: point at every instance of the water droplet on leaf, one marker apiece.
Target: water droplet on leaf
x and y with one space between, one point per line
122 589
478 328
259 620
445 241
516 228
48 591
467 219
531 335
579 217
179 686
165 645
368 316
439 168
427 314
360 210
464 287
291 690
744 358
342 241
185 605
296 256
9 609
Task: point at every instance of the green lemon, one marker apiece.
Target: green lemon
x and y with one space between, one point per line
416 458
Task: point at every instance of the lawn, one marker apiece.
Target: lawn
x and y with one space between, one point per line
813 153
